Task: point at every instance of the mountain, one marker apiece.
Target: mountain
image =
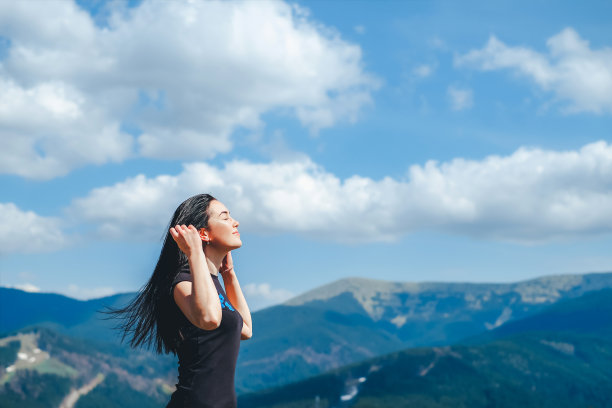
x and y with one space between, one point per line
42 368
401 304
560 357
525 371
355 319
344 322
588 314
20 309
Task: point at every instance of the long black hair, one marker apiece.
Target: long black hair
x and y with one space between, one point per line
150 318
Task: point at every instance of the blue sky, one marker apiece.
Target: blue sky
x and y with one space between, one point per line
404 141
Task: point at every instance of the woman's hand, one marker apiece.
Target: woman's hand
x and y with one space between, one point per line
187 238
235 295
227 264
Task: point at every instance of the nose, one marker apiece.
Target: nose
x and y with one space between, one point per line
236 223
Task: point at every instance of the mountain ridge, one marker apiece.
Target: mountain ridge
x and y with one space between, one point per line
340 323
364 290
336 287
560 357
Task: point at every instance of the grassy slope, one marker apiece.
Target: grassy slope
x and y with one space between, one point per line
135 377
527 370
561 357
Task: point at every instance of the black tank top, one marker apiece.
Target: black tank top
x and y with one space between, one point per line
207 358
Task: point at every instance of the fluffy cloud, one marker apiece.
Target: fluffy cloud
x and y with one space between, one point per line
260 295
182 76
571 70
532 195
424 70
49 128
28 232
77 292
460 99
26 287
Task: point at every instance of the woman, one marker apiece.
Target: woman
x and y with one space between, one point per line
183 309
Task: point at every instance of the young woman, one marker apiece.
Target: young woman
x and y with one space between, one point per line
183 309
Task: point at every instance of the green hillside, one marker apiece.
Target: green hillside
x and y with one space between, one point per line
588 314
523 371
32 389
354 319
74 317
561 357
338 324
114 392
42 368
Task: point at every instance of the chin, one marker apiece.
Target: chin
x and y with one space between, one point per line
237 244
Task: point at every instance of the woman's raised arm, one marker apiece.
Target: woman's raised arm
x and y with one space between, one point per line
234 293
198 299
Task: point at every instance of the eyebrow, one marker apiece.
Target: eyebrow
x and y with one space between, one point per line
226 212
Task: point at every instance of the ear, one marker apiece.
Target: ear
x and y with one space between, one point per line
204 235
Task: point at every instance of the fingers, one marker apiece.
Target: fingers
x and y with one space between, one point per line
176 231
187 238
182 231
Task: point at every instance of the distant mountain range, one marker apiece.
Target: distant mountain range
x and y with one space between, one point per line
19 309
559 357
354 319
342 323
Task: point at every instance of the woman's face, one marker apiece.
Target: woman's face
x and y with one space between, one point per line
222 228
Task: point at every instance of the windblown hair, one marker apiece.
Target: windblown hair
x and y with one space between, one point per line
150 318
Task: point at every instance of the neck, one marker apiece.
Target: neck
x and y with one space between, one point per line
214 258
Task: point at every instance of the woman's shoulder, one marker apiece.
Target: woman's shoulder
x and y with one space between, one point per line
181 274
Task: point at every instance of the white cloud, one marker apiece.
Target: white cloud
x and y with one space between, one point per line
265 290
186 74
437 43
49 128
27 232
74 291
424 70
571 70
139 206
532 195
260 295
26 287
460 99
360 29
77 292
